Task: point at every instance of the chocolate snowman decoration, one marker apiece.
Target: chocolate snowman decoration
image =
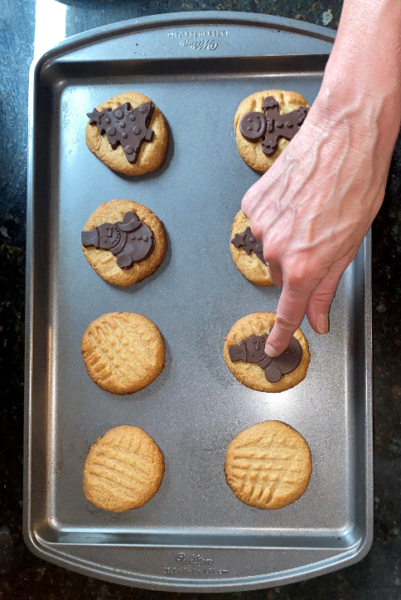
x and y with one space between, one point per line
252 350
271 125
131 240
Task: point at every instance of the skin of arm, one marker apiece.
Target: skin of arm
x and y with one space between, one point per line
315 205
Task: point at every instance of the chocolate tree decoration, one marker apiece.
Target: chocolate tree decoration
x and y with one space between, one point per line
125 126
130 240
270 126
249 243
252 350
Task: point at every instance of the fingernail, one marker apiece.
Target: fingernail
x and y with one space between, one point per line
322 323
270 351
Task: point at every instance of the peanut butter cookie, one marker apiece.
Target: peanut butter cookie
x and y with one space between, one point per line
268 465
123 352
123 470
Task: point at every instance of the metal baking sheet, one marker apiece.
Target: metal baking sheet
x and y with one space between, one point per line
194 535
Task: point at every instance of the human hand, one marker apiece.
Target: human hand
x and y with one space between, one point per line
314 206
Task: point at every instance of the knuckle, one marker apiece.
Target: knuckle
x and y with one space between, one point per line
274 248
286 322
271 252
256 229
246 203
299 271
294 277
323 297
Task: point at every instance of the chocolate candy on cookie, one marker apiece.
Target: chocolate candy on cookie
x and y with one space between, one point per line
124 242
130 240
244 354
270 126
253 126
249 243
125 126
264 124
247 252
252 350
128 133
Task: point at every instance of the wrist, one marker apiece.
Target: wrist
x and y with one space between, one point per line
369 117
365 63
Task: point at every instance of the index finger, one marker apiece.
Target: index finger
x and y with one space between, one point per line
290 311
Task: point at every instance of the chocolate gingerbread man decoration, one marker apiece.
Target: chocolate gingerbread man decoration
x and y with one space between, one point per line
130 240
249 243
269 126
124 126
252 350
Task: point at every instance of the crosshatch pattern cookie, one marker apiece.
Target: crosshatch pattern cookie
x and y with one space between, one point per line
251 374
153 149
123 352
105 263
249 265
268 465
251 152
123 470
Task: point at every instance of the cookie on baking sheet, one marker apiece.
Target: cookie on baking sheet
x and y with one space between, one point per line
245 357
123 470
268 465
123 352
128 133
247 252
264 124
124 242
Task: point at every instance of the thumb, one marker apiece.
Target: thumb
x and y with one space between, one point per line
318 306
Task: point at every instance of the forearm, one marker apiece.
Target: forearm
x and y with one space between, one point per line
363 74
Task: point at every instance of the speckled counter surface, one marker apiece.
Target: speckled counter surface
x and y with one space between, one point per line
22 575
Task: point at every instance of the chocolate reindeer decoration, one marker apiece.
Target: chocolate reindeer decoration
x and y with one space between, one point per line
252 350
124 126
270 126
130 240
249 243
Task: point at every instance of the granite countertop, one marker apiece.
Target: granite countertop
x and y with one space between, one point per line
22 23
